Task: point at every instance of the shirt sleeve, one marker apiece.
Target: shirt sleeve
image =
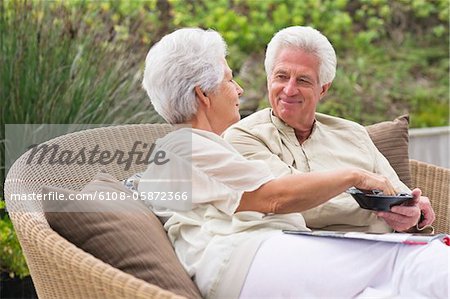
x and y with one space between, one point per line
226 172
216 172
221 162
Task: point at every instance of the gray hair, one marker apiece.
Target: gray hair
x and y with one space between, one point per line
309 40
179 62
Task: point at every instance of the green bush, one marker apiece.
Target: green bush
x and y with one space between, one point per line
11 259
391 80
58 68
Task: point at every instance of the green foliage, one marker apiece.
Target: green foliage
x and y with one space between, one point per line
392 80
56 68
64 61
61 65
392 55
11 258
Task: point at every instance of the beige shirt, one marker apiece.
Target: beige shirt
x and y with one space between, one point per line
214 244
334 143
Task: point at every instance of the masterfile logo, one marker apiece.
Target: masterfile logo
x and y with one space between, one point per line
140 153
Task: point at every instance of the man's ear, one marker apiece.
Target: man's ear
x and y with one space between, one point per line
201 96
325 88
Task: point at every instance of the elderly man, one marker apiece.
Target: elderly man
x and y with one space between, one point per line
292 137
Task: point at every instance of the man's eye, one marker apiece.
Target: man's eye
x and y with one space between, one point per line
302 80
281 76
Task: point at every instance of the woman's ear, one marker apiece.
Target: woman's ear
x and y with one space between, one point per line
202 97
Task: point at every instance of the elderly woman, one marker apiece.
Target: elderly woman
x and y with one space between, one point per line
228 237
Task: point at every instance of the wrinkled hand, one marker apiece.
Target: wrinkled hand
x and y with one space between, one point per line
405 216
371 181
427 211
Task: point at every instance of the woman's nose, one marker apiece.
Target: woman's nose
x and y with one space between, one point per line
239 89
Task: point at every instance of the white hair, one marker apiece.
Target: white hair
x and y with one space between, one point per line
179 62
309 40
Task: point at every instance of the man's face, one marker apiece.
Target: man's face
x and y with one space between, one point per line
294 87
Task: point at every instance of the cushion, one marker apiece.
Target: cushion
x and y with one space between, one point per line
132 240
391 138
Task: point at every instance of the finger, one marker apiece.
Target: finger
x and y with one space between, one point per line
403 215
426 210
390 189
416 193
425 221
428 218
395 218
428 213
407 211
397 226
411 202
386 185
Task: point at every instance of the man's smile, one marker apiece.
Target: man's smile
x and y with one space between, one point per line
290 101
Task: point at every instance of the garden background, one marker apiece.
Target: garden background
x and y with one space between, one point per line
68 62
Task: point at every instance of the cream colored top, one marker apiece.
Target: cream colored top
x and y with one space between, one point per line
334 143
214 244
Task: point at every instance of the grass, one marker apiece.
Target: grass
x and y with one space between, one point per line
56 69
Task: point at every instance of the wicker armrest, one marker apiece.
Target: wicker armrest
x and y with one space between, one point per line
62 270
434 182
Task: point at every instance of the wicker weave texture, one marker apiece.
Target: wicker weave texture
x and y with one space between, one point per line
434 182
61 270
58 268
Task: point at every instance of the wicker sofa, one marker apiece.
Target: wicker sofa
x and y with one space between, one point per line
62 270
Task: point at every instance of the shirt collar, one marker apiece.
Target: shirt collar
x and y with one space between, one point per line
288 131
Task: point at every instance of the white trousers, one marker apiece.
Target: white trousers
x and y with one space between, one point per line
293 266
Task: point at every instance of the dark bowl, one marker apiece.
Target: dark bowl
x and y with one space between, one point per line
376 201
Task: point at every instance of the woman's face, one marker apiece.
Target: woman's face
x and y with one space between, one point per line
225 102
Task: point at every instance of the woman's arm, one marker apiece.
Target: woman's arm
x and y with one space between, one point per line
300 192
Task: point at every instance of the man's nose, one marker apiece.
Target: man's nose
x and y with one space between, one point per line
290 89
